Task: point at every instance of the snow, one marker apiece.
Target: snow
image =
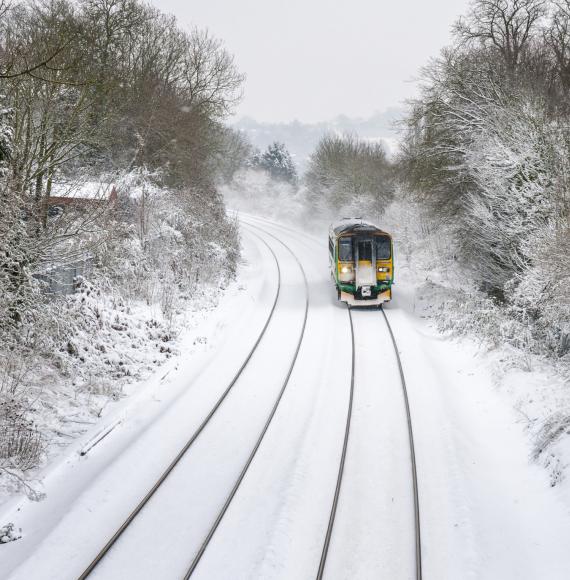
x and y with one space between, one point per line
60 529
378 475
276 524
206 475
480 495
482 498
488 510
95 190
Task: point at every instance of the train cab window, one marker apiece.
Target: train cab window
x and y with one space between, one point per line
383 248
345 250
365 251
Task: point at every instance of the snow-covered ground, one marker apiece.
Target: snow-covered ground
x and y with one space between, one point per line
487 510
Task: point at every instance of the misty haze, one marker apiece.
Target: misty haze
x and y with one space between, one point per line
284 290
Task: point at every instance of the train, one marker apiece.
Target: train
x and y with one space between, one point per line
361 258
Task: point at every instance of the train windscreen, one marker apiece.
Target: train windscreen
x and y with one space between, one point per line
365 251
383 248
345 249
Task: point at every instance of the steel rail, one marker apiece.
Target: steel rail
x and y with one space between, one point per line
340 474
251 457
418 542
103 552
270 223
332 516
417 533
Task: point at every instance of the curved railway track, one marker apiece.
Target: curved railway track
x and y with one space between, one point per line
417 527
414 475
314 239
241 476
332 516
139 507
417 530
336 499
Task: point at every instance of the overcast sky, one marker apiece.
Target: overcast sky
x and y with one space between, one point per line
312 60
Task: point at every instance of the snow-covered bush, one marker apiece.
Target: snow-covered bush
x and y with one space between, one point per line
160 252
8 533
21 444
541 293
277 162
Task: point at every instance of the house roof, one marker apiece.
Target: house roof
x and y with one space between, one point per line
88 190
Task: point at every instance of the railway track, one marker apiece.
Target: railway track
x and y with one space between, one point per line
417 527
332 516
239 480
139 507
337 493
414 476
248 219
336 498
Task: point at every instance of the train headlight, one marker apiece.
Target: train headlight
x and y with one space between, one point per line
346 269
383 269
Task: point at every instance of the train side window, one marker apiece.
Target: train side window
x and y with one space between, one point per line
331 248
383 248
345 249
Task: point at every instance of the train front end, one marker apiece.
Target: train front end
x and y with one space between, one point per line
361 260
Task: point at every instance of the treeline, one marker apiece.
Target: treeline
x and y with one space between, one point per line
349 175
346 175
109 92
102 87
487 155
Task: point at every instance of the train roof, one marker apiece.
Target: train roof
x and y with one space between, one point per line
355 226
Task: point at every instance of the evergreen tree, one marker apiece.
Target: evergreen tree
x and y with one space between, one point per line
277 161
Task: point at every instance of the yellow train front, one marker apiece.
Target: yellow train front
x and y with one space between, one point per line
362 262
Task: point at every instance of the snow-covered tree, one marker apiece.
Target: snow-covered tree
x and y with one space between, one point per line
486 154
6 137
277 161
511 164
348 172
105 91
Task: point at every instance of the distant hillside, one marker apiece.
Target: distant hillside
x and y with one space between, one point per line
301 138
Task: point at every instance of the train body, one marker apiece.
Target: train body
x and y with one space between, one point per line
361 260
